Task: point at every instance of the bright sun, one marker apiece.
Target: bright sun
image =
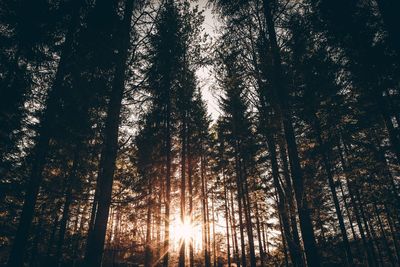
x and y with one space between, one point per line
184 231
190 233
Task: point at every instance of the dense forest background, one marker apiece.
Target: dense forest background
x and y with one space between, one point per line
110 156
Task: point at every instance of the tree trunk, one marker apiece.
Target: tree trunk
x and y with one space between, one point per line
67 203
295 255
265 239
307 231
50 243
38 236
204 211
158 223
239 200
328 169
383 235
168 148
183 190
18 249
283 242
369 230
291 202
346 205
213 231
208 224
260 246
95 245
190 187
147 258
233 227
392 233
228 249
247 211
367 250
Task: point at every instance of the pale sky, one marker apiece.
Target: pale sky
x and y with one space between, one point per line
206 81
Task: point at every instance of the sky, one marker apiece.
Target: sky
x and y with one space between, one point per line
206 80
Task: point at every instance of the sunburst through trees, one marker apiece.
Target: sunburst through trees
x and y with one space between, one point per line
134 134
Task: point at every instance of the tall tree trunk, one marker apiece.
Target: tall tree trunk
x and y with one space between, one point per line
183 190
158 223
225 185
190 187
283 242
167 211
247 210
208 224
370 241
168 148
95 245
18 249
265 239
260 246
324 152
67 203
385 170
392 233
307 231
295 255
291 201
213 230
367 250
93 211
233 227
346 206
33 262
204 211
383 236
147 258
239 189
78 231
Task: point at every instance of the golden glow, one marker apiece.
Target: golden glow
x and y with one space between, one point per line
186 231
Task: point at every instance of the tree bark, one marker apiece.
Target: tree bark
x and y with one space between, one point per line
18 249
190 187
291 202
213 230
247 210
295 255
147 258
239 200
328 169
307 231
168 148
233 227
204 211
367 250
158 223
95 245
228 249
392 233
260 245
383 235
67 203
183 189
283 242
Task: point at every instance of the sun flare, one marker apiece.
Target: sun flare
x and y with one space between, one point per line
184 231
187 232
